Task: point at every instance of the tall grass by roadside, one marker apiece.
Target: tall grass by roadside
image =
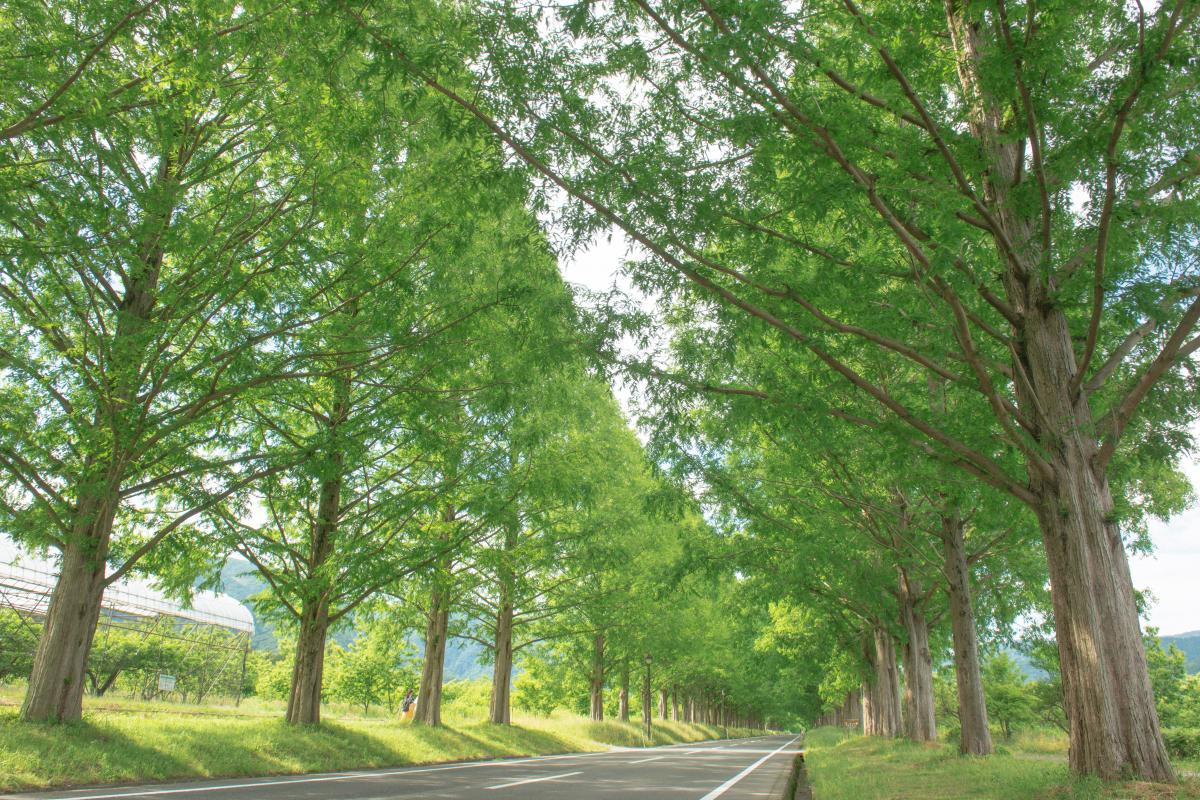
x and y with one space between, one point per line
845 766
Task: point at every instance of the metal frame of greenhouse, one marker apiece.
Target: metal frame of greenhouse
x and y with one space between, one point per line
26 584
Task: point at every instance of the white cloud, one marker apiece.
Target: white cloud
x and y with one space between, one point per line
1172 571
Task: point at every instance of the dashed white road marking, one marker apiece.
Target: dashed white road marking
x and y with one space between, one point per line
535 780
644 760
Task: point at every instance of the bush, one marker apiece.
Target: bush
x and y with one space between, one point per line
1182 742
467 699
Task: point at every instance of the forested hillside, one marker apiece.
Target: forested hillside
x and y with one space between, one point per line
241 580
1189 644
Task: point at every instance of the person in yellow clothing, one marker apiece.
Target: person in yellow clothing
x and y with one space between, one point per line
408 706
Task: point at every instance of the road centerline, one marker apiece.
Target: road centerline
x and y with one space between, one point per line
535 780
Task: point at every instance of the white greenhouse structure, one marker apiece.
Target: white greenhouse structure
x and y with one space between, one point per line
26 583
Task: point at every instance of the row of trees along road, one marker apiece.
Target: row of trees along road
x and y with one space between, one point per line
260 297
966 227
273 283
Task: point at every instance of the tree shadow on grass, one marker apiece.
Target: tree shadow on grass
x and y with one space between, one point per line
42 755
128 748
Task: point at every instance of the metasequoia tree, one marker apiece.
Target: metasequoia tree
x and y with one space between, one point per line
576 478
362 512
994 194
145 280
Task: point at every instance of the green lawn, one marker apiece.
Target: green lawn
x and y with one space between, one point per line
842 767
127 742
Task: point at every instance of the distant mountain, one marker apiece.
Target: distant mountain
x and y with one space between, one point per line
1189 643
1026 665
241 581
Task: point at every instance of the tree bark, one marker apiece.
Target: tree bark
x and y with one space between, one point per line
501 706
968 676
56 680
304 700
429 697
852 710
919 716
596 679
674 704
647 711
1113 722
437 628
662 704
881 698
623 695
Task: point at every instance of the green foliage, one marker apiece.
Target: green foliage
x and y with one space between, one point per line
18 637
547 682
466 699
128 657
1009 701
1182 742
274 677
1174 694
378 666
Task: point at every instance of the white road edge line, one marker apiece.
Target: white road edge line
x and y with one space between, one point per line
535 780
644 760
727 785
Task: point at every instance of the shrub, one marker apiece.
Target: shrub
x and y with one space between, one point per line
1182 742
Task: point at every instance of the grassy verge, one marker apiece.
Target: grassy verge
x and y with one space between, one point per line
117 745
843 767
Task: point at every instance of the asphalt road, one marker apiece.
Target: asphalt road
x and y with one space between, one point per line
737 769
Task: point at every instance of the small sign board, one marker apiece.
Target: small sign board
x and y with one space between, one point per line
166 683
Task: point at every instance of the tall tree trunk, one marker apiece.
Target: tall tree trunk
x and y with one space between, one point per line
437 629
881 698
623 694
1113 723
662 704
429 698
596 679
852 713
501 706
674 704
56 680
304 700
919 721
647 711
972 710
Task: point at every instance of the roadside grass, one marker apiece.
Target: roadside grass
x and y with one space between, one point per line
845 766
118 744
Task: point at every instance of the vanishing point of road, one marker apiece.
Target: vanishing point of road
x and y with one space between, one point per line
734 769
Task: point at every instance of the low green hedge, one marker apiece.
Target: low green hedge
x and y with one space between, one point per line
1182 742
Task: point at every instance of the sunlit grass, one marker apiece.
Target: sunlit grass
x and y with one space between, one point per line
850 767
125 741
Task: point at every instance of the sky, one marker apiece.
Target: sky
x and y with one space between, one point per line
1171 573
